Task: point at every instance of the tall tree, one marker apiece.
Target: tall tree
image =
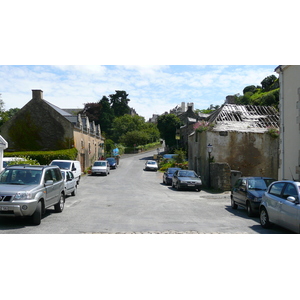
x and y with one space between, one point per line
119 103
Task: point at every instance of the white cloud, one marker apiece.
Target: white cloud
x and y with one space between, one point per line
151 89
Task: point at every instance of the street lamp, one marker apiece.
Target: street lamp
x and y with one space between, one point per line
209 150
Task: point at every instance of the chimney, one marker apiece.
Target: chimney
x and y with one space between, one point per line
37 94
230 100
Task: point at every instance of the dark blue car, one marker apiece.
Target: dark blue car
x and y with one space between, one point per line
168 175
247 192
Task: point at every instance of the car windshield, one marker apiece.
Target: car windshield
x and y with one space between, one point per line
111 160
187 173
21 177
172 171
100 163
259 183
62 164
151 162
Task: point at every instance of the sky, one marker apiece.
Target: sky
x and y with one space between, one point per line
152 89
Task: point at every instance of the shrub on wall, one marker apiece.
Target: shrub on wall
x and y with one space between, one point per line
45 157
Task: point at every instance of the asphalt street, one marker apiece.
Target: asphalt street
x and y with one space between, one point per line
131 200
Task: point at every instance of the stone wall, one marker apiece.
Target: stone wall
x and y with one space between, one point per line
220 176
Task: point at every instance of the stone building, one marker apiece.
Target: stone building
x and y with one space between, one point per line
42 126
241 141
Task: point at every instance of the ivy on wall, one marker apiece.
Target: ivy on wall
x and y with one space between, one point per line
24 133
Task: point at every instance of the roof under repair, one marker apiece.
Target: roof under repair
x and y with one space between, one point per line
244 118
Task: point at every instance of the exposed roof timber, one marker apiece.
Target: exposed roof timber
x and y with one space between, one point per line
258 116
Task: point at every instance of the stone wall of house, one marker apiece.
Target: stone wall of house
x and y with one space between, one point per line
90 147
37 126
251 153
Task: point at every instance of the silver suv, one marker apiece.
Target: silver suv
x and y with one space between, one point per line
27 190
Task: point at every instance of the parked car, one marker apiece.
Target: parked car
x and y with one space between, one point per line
100 167
169 156
151 165
280 205
112 162
26 191
186 179
71 165
70 182
168 175
247 192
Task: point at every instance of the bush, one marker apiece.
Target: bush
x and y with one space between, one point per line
45 157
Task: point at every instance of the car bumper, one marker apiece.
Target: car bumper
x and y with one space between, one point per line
151 169
255 206
189 186
18 209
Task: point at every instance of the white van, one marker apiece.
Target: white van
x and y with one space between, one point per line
70 165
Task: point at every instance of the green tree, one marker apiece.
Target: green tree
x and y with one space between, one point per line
268 82
135 137
167 125
152 131
119 103
106 116
126 123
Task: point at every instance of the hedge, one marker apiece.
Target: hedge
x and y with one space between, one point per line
45 157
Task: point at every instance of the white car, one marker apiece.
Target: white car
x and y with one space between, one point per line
100 167
69 165
70 182
151 165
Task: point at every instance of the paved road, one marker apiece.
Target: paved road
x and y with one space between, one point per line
131 200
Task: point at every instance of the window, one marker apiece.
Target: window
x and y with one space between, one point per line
290 190
276 189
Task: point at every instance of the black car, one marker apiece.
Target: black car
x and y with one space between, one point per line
112 162
247 192
186 179
168 175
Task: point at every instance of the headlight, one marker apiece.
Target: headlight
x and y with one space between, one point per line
256 199
22 196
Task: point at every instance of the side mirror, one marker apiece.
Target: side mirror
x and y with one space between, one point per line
49 182
74 169
293 200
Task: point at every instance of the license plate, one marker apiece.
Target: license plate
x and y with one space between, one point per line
191 185
4 207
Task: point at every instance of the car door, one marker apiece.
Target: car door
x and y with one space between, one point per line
50 189
239 191
175 178
289 211
274 201
69 182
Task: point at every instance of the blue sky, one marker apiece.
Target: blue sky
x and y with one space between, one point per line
152 89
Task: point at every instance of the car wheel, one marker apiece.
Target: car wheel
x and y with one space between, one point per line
178 187
59 207
198 190
233 204
164 182
37 215
264 218
75 191
173 186
249 209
